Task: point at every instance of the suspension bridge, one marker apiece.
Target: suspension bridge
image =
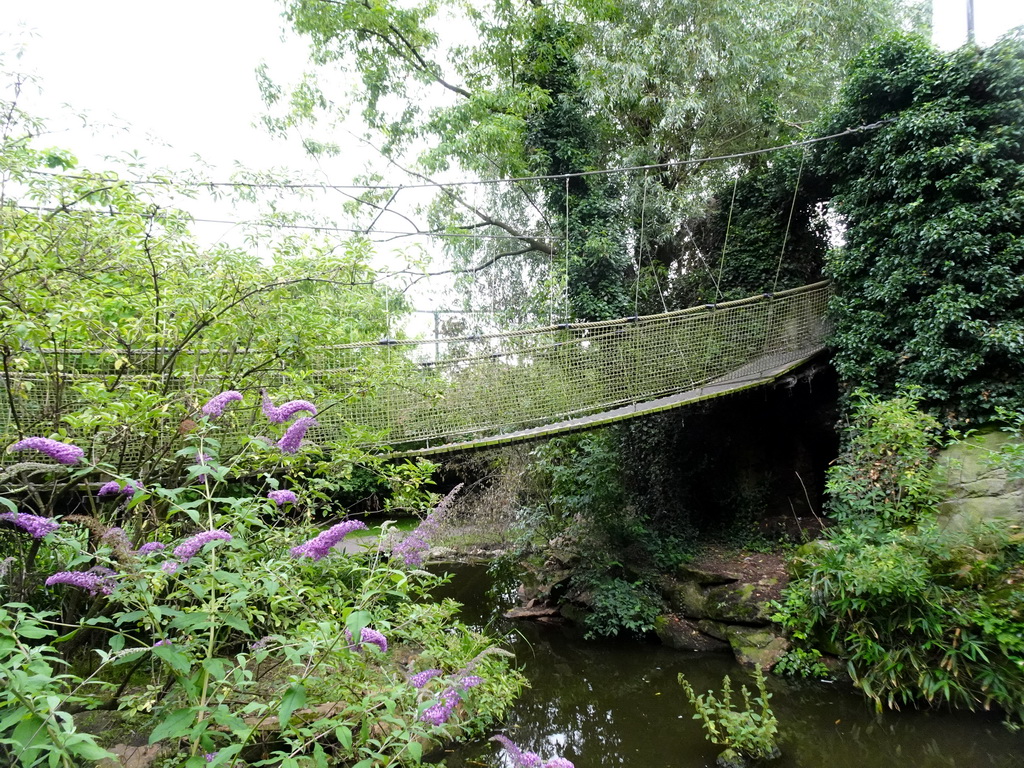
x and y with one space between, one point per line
424 397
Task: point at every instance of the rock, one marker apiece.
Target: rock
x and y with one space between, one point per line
731 758
754 646
129 756
684 635
533 612
737 603
806 556
973 488
685 597
714 629
705 577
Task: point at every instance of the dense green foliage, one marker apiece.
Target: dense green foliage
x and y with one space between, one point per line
115 330
924 609
98 277
928 285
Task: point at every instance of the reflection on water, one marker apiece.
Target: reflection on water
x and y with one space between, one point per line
608 703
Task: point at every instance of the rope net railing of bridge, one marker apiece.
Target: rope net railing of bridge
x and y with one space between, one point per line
422 394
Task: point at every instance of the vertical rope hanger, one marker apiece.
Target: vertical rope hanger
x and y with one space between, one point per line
789 221
650 257
725 244
565 308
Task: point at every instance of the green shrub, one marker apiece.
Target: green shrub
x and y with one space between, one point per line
749 730
923 611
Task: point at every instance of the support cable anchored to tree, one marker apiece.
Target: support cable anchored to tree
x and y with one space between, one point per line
474 182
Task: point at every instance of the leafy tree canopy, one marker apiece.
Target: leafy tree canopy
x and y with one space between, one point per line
574 87
930 284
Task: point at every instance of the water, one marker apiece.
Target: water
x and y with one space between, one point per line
616 703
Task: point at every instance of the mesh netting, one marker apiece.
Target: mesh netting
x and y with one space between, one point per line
427 396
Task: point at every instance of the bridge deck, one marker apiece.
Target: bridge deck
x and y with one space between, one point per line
762 370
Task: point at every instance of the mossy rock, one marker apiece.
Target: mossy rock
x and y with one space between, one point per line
757 647
975 489
685 635
736 604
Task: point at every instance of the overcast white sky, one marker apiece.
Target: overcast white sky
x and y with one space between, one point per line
183 72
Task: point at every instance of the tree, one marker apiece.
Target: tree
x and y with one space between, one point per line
577 87
929 293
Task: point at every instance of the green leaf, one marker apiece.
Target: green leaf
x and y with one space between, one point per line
294 698
175 725
344 736
177 660
415 750
9 504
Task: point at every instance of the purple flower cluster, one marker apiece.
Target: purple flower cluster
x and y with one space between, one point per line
412 547
186 550
367 635
91 581
282 497
422 678
170 567
279 415
470 681
65 453
35 525
292 438
113 488
318 547
109 489
523 759
215 405
439 712
149 547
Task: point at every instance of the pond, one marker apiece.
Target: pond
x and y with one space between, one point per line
618 703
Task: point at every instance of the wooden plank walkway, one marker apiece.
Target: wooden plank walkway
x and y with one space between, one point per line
762 370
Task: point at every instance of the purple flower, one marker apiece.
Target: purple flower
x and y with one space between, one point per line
372 636
263 642
161 642
420 679
170 567
116 539
282 497
65 453
130 488
319 546
523 759
412 547
286 411
210 756
34 525
202 459
470 681
215 405
109 489
148 547
367 635
293 435
438 714
93 582
186 550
